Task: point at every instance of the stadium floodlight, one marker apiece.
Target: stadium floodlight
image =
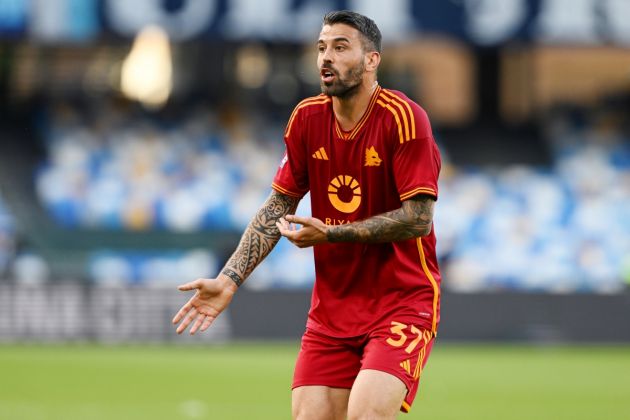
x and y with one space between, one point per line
147 71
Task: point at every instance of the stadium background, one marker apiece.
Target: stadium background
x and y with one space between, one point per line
138 138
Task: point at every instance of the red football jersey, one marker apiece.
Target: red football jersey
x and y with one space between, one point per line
387 158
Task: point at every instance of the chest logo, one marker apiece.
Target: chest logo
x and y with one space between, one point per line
372 158
320 154
344 193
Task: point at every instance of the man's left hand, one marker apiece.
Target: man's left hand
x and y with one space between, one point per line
312 232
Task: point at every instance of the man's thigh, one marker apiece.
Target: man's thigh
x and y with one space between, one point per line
319 402
376 395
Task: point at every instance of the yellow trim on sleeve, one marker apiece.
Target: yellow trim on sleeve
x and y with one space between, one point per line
285 191
419 190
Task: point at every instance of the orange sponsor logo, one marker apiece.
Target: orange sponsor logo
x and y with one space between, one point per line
344 193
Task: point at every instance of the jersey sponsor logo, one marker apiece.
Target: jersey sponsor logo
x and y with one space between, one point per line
344 193
320 154
335 222
372 158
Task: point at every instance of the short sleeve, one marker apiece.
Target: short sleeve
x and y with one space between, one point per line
292 175
417 161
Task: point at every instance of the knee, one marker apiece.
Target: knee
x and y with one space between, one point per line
307 410
299 410
319 403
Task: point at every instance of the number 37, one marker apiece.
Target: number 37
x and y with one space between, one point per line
398 328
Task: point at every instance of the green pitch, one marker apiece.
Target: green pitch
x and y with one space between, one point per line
251 381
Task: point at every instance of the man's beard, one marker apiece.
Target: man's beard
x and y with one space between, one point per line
345 87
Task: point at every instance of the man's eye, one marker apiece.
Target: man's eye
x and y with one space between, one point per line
340 48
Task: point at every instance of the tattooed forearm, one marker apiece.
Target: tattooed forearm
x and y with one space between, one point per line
260 237
232 275
413 219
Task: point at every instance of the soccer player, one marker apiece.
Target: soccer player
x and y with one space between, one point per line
368 157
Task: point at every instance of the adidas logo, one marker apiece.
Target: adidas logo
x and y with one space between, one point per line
320 154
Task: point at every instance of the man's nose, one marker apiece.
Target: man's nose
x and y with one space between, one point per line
327 56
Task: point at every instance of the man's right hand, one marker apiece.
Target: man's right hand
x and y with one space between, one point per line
212 296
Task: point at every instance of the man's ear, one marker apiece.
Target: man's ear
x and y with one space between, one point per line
372 60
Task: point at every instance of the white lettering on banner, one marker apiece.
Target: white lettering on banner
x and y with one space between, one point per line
567 20
617 13
395 21
491 22
29 303
124 312
487 22
104 320
63 312
45 313
277 19
6 309
66 303
129 17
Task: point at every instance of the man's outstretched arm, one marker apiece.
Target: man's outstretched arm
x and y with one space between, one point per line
214 295
260 237
413 219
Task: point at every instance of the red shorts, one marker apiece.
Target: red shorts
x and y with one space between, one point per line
399 349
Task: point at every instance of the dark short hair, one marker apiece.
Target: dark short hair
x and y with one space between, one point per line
363 24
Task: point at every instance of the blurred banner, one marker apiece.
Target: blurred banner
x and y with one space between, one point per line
482 22
74 312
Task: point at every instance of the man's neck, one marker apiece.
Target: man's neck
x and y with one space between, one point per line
349 111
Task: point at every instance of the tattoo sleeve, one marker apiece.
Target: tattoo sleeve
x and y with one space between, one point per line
260 237
413 219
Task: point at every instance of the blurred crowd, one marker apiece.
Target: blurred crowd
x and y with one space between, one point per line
126 170
561 228
522 228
